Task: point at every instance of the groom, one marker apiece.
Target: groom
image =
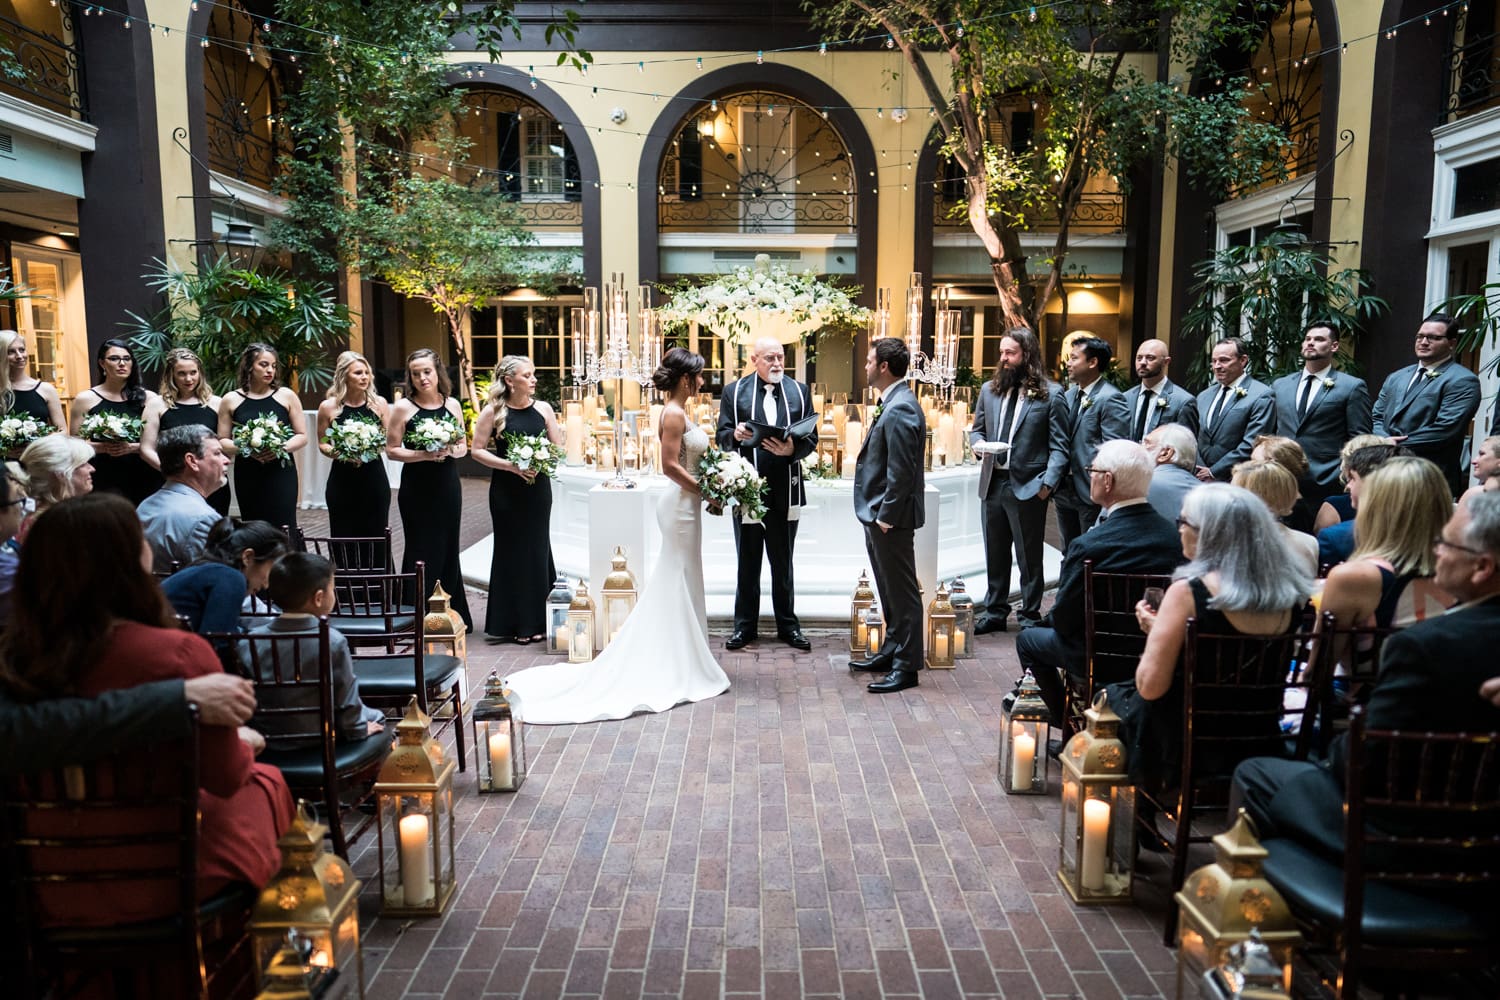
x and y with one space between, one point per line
767 397
888 501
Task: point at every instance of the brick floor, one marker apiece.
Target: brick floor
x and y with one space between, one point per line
796 836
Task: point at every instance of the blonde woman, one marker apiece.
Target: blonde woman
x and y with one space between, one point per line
1339 507
185 399
358 493
264 484
521 572
51 470
1288 454
1277 489
20 392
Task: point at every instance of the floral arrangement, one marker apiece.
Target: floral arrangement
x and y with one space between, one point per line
357 440
727 479
120 428
433 434
533 453
263 435
817 466
735 303
19 430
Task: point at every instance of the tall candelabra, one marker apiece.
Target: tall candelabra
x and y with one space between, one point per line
615 360
940 368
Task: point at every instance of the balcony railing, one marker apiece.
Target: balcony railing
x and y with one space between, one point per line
756 212
1100 213
1472 80
551 213
41 67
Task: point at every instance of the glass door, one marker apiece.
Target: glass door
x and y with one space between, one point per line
52 318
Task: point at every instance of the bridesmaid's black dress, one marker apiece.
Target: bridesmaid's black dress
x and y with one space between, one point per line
127 475
29 402
522 571
186 415
358 496
267 491
431 504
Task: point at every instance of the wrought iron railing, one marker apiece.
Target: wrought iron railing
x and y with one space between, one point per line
1472 80
1299 158
756 212
238 150
1099 213
41 67
551 214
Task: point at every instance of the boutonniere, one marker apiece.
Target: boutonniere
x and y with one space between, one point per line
1088 401
879 409
1239 392
1328 383
1431 373
1161 402
1037 393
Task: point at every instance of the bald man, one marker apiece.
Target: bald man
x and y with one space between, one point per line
1151 402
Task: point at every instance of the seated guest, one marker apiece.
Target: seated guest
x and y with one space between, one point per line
1486 468
52 469
1288 454
1174 449
236 563
177 517
1339 507
1336 542
12 502
1231 588
1277 489
1432 676
103 625
1129 537
301 585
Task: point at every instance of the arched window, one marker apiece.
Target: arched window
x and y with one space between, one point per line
516 144
242 95
39 56
1286 86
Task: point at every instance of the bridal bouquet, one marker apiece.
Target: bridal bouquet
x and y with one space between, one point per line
20 430
357 440
433 434
263 435
725 478
817 466
533 453
118 428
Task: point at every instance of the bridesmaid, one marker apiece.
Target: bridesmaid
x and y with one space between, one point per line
521 570
358 496
186 398
265 487
118 466
22 394
430 500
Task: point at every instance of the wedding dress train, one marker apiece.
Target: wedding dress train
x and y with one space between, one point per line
660 657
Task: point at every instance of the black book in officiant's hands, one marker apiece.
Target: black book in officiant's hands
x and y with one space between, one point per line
759 431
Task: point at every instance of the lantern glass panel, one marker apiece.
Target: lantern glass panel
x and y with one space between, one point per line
581 637
494 743
408 878
940 643
1023 755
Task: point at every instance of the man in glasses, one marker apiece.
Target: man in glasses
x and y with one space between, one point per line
1428 406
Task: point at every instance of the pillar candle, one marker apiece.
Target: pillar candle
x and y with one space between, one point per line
1095 843
574 437
1022 760
958 644
416 870
560 640
940 647
817 402
853 437
581 646
607 458
946 438
500 776
590 408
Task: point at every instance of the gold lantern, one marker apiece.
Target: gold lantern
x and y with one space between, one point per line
874 631
558 603
940 631
1025 728
581 626
499 739
1249 972
1096 861
290 974
443 628
619 596
828 438
1222 904
963 620
859 606
316 897
414 820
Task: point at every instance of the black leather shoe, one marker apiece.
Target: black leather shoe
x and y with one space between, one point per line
985 624
896 680
874 664
739 639
796 639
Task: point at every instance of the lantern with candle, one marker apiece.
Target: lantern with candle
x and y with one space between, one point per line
619 595
581 626
414 819
1096 861
963 620
558 602
443 630
940 630
499 739
1249 971
1025 728
874 631
1221 905
859 606
291 975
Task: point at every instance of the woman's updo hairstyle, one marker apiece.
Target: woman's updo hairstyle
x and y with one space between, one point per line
228 540
678 363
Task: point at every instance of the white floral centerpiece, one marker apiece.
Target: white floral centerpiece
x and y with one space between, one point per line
727 479
263 435
764 301
817 466
533 453
20 429
357 440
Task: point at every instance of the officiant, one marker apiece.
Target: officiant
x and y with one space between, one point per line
769 419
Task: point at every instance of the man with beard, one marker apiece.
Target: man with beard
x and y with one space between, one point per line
1151 402
1021 428
1086 400
1428 406
1320 408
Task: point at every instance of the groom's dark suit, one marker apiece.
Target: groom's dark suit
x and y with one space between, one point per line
888 488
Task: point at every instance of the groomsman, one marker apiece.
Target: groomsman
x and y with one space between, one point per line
888 500
767 396
1151 402
1232 412
1087 399
1021 410
1428 406
1320 408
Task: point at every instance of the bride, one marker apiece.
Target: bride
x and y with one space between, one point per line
660 657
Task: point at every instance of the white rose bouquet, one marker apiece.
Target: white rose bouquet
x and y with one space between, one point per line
19 430
533 453
264 435
356 441
433 434
817 466
117 428
725 478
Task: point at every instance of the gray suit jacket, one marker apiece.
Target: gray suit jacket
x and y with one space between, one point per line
1173 405
1433 413
888 479
1039 450
1241 420
352 714
177 521
1087 434
1169 485
1335 415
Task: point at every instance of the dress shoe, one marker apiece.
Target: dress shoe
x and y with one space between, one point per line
739 639
985 624
796 639
1026 623
874 664
896 680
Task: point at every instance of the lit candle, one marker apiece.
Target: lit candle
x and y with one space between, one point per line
560 639
861 635
416 872
1095 842
500 776
940 647
945 438
958 644
1022 761
873 640
607 457
853 437
574 441
581 646
817 402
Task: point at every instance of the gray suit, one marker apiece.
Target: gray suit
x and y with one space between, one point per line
1172 404
1076 513
1247 413
888 488
1336 414
177 521
351 713
1015 517
1434 414
1169 485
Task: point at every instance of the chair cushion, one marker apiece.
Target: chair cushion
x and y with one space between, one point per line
355 626
303 767
384 675
1314 887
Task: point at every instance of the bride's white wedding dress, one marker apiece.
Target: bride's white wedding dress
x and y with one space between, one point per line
661 656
